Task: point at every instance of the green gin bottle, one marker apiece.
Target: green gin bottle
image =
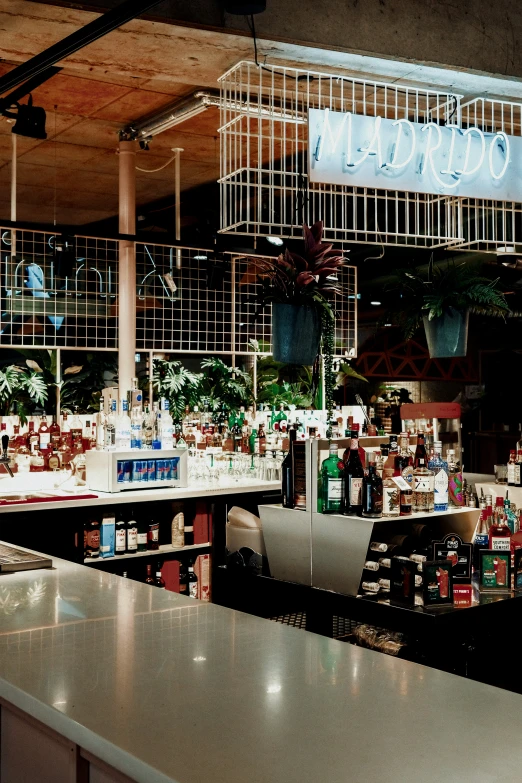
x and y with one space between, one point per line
332 482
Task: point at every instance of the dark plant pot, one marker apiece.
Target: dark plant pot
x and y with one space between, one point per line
447 335
296 332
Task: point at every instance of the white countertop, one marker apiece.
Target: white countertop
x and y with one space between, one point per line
166 688
194 490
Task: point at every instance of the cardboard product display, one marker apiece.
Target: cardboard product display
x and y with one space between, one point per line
460 554
402 580
494 570
437 582
202 522
170 573
202 570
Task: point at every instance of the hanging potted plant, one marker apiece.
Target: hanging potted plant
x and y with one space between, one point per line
442 300
300 289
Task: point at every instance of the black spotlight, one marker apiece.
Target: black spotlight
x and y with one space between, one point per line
245 7
30 121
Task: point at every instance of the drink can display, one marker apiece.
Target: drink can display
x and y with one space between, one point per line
167 470
144 471
151 469
120 471
127 470
175 471
160 469
137 470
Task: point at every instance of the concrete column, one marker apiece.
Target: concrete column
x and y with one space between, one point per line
127 268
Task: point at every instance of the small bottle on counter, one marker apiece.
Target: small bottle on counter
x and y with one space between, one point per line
91 538
192 582
153 535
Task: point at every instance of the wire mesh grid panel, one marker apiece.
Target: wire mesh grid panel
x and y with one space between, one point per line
58 291
184 300
487 223
253 324
264 159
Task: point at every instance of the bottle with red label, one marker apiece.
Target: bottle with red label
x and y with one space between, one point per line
66 431
54 431
44 433
499 532
91 538
420 451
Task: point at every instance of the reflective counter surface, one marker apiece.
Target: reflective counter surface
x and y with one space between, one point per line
165 688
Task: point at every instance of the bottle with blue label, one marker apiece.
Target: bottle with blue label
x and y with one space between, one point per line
166 426
136 428
110 426
440 468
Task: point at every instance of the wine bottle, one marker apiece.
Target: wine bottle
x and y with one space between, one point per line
372 494
287 471
353 477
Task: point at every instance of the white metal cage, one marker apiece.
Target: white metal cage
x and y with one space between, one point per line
264 177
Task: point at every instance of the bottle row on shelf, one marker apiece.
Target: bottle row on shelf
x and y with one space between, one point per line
190 577
123 532
396 481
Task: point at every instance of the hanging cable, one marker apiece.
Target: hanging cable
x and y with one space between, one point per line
152 171
302 78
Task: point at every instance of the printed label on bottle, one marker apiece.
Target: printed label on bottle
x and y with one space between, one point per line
501 544
142 539
93 539
45 439
407 475
401 482
356 491
335 489
455 488
193 589
423 483
132 539
510 471
390 501
482 540
120 540
154 533
517 475
441 488
354 444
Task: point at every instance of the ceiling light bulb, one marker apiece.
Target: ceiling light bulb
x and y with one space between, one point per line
277 241
200 257
376 303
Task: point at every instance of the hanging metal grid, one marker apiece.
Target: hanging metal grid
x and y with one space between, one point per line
264 138
184 300
58 291
489 224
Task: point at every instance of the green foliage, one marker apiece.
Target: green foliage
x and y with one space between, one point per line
283 384
308 280
347 373
453 286
224 387
328 331
177 384
21 388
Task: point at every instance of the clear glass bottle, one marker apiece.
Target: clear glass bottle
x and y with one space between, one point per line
136 423
510 468
391 495
167 427
332 482
123 427
439 467
372 494
110 426
423 488
44 433
101 423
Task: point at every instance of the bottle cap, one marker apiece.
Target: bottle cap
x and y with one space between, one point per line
437 445
499 502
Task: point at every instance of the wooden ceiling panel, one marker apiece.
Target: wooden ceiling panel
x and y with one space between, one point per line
54 153
92 133
195 148
72 95
133 105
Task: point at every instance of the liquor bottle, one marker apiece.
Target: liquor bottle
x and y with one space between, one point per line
391 550
32 436
404 469
136 428
86 435
500 534
143 530
149 421
287 472
123 427
37 460
183 579
511 468
110 426
518 469
481 540
455 481
273 423
371 587
54 431
101 423
76 426
120 545
420 451
64 452
261 437
372 494
393 454
153 535
44 433
353 477
159 581
178 525
332 482
66 430
167 427
391 495
91 538
149 579
131 529
439 467
379 462
192 582
423 488
372 565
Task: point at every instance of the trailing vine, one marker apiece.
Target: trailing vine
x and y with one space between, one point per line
328 330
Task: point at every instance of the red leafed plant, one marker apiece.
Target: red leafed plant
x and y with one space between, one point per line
309 279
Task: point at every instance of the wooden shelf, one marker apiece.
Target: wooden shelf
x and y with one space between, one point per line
166 549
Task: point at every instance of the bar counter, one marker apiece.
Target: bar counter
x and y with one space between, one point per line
163 688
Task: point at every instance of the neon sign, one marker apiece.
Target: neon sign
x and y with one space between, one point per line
375 152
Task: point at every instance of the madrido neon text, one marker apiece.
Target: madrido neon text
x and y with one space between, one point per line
351 149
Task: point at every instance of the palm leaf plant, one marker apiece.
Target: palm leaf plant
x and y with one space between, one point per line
441 299
223 387
177 384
